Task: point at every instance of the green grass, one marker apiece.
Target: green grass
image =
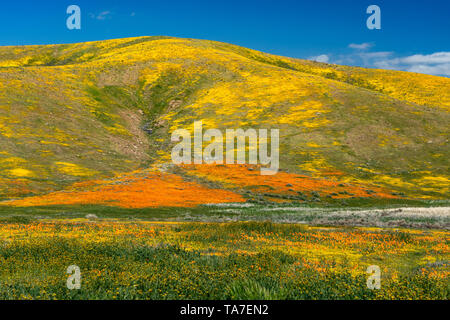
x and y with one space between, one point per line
313 213
180 262
73 94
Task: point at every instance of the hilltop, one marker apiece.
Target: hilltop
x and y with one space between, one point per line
78 117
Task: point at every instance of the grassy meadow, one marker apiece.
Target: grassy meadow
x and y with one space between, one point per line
239 260
86 176
206 252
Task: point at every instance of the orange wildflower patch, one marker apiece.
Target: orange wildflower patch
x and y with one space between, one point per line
136 190
15 187
247 176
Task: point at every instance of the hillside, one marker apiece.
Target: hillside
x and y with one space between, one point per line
81 116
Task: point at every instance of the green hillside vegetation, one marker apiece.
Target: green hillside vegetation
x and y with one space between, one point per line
87 111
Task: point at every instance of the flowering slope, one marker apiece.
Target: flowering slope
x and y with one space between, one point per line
89 111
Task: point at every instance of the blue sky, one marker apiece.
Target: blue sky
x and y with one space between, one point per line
414 35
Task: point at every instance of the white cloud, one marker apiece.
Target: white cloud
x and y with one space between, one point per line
360 56
375 55
437 63
438 57
101 16
361 46
321 58
362 59
441 69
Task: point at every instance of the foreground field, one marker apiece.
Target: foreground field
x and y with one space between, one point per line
239 260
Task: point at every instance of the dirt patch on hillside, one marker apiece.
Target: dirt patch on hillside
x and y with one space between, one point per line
136 145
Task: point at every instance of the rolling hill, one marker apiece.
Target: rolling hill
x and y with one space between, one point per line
91 122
